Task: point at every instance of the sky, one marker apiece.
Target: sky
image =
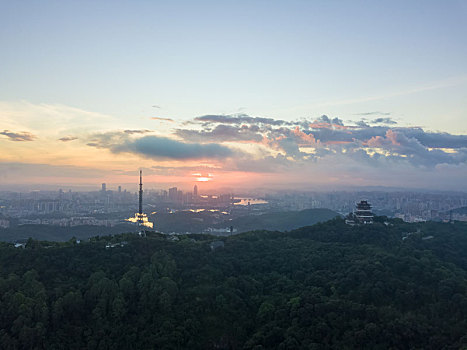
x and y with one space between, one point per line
239 94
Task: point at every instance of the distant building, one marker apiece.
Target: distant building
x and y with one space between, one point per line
361 215
173 192
195 191
4 223
104 187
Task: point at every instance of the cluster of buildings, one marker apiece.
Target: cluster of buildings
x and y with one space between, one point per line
18 204
177 197
106 207
4 222
407 205
70 221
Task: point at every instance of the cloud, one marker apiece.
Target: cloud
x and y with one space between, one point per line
136 131
240 118
377 145
304 141
402 147
163 119
362 124
222 133
373 113
52 120
18 136
383 121
159 147
68 138
324 122
436 139
369 149
325 119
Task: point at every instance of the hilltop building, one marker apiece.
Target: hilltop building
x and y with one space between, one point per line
361 215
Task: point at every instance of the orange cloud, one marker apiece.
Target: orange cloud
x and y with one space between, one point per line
307 139
337 142
378 141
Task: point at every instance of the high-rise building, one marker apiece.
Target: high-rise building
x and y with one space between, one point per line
104 187
119 189
195 191
173 194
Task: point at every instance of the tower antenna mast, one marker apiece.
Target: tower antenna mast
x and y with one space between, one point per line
140 193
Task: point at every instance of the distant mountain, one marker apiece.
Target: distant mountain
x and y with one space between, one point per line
461 211
282 220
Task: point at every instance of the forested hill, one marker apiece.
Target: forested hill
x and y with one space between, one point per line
327 286
282 220
21 233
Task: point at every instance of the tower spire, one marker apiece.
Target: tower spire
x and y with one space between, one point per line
140 193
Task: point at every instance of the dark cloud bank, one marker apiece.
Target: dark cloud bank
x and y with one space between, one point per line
327 136
159 147
67 138
18 136
156 147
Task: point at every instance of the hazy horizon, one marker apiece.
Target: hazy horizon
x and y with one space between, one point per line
238 191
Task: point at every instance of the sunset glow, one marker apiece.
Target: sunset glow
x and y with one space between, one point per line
188 112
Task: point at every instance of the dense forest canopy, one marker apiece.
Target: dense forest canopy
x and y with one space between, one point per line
390 285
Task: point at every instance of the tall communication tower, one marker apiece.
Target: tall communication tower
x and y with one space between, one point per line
140 218
140 212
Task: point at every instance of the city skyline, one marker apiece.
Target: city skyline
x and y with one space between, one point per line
292 95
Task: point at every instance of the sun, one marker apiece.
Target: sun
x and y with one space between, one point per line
200 177
203 179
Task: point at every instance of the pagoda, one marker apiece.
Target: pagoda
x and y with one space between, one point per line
361 215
